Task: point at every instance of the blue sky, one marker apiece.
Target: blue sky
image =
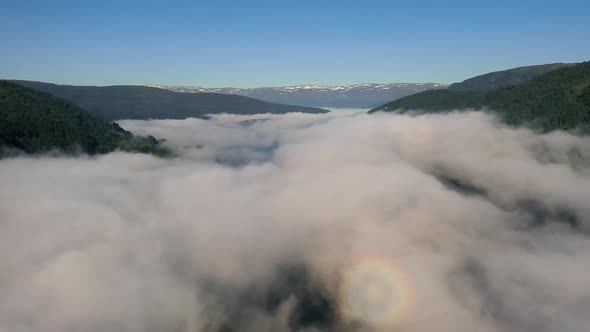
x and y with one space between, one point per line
270 43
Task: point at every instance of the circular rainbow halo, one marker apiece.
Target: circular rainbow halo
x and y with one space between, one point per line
373 291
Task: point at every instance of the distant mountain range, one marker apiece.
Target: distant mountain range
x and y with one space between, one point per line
142 102
366 95
548 97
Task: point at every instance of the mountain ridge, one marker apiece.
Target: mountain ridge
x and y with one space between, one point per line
362 95
556 100
505 78
117 102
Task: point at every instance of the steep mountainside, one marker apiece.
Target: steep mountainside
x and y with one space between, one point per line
559 99
349 96
505 78
434 100
141 102
37 122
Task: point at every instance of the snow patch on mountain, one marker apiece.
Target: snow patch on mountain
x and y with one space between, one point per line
364 95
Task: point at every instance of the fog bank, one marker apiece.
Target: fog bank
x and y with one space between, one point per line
301 222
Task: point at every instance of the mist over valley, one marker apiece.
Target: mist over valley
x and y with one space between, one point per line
294 166
330 222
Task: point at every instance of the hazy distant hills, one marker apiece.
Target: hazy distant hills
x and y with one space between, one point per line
366 95
556 99
37 122
142 102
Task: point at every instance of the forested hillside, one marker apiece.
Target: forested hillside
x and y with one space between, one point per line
37 122
504 78
559 99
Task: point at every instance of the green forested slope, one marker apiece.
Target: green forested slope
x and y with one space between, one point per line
434 100
37 122
559 99
556 100
504 78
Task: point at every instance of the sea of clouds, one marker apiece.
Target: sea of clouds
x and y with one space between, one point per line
334 222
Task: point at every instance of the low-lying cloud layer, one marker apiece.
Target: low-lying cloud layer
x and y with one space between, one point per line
297 222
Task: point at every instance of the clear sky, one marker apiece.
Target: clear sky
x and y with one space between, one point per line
221 43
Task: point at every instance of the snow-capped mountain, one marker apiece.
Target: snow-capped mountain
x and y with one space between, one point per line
365 95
